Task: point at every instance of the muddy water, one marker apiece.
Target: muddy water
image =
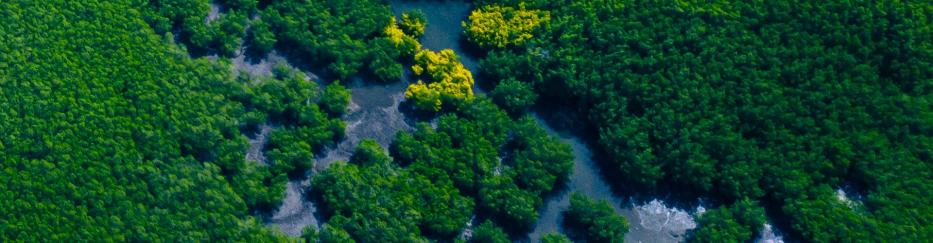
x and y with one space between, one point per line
374 113
256 142
296 212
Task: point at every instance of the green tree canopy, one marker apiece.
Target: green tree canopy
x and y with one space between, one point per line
777 101
596 220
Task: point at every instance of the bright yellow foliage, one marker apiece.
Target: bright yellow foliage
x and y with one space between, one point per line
423 96
500 26
450 80
407 44
393 32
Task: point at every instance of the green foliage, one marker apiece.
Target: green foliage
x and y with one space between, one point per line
328 234
736 223
262 39
288 152
514 96
380 202
395 46
112 134
166 15
413 23
117 135
259 187
368 152
227 31
310 234
190 18
464 149
595 219
512 206
488 232
335 99
540 160
777 101
285 95
252 120
335 34
385 58
554 238
294 102
247 6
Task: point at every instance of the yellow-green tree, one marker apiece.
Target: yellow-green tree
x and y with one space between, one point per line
407 44
496 26
449 80
413 23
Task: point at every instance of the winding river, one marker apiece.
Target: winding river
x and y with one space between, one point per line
650 222
374 113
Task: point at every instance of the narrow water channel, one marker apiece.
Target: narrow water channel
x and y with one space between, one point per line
650 222
374 113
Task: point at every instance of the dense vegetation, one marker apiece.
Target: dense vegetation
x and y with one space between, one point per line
489 232
113 133
594 220
308 114
735 223
474 160
514 96
775 101
477 161
346 36
413 23
191 21
148 144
